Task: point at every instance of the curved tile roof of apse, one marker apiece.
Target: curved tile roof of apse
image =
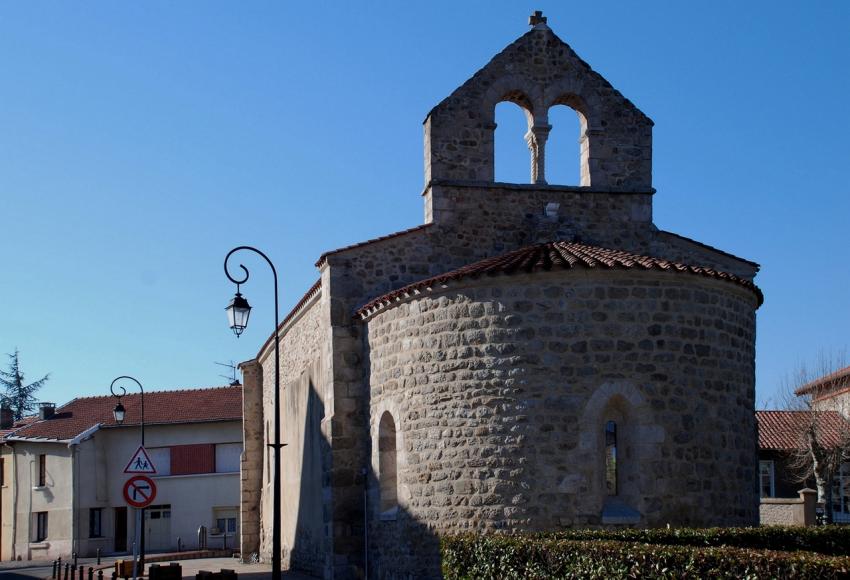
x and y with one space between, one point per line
782 430
556 255
161 407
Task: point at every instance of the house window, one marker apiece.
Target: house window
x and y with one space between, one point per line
40 527
227 457
387 462
611 458
841 494
766 483
42 470
95 522
192 459
224 520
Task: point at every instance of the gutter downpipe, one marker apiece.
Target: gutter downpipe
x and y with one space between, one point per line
74 446
15 487
29 512
74 523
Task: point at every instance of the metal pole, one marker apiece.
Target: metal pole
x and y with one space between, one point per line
276 525
136 546
140 535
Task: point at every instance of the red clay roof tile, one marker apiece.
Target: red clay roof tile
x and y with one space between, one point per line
782 430
184 406
562 255
824 386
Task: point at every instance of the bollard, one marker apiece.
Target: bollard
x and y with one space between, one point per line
98 556
91 573
67 567
100 574
74 555
114 575
53 574
82 572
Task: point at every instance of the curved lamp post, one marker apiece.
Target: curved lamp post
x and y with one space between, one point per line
238 312
119 412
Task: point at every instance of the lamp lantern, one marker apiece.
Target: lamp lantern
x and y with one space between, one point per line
238 312
119 412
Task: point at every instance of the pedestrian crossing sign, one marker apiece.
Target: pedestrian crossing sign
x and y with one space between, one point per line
140 462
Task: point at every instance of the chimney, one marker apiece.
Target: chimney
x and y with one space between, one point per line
46 410
7 418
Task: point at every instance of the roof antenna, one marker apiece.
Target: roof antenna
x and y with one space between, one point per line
234 382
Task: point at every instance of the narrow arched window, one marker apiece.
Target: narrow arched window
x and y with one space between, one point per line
387 462
611 458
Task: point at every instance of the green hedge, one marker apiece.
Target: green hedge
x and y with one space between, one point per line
538 557
832 540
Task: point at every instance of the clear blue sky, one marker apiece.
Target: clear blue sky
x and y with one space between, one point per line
140 141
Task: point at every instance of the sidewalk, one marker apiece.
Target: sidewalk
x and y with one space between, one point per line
248 571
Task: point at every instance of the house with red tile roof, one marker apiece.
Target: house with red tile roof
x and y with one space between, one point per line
780 434
67 469
831 391
533 356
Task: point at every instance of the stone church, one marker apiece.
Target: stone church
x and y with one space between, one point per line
533 357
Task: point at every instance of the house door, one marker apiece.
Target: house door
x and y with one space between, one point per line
120 529
158 527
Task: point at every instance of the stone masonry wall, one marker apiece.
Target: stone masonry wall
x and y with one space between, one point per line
251 464
513 216
305 544
500 388
536 72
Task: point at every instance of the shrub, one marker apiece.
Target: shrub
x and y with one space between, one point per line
507 557
831 540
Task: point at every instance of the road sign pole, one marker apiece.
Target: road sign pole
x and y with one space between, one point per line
136 546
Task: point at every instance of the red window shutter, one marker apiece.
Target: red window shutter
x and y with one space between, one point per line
188 459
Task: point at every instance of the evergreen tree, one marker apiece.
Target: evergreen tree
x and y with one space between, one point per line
19 396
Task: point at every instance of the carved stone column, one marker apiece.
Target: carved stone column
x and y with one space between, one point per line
536 139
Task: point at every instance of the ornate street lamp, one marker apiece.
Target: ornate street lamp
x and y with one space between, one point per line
237 314
119 412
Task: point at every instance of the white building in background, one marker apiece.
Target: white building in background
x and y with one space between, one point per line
66 471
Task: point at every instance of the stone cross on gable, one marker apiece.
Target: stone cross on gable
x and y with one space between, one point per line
536 18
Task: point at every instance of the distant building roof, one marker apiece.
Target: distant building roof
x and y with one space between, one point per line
782 430
161 407
828 385
23 422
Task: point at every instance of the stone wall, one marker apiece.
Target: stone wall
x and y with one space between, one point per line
501 217
800 511
306 544
539 71
500 389
251 480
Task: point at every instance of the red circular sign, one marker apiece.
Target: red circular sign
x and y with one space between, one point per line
139 491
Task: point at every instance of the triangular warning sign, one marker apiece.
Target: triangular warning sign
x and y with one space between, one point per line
140 462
